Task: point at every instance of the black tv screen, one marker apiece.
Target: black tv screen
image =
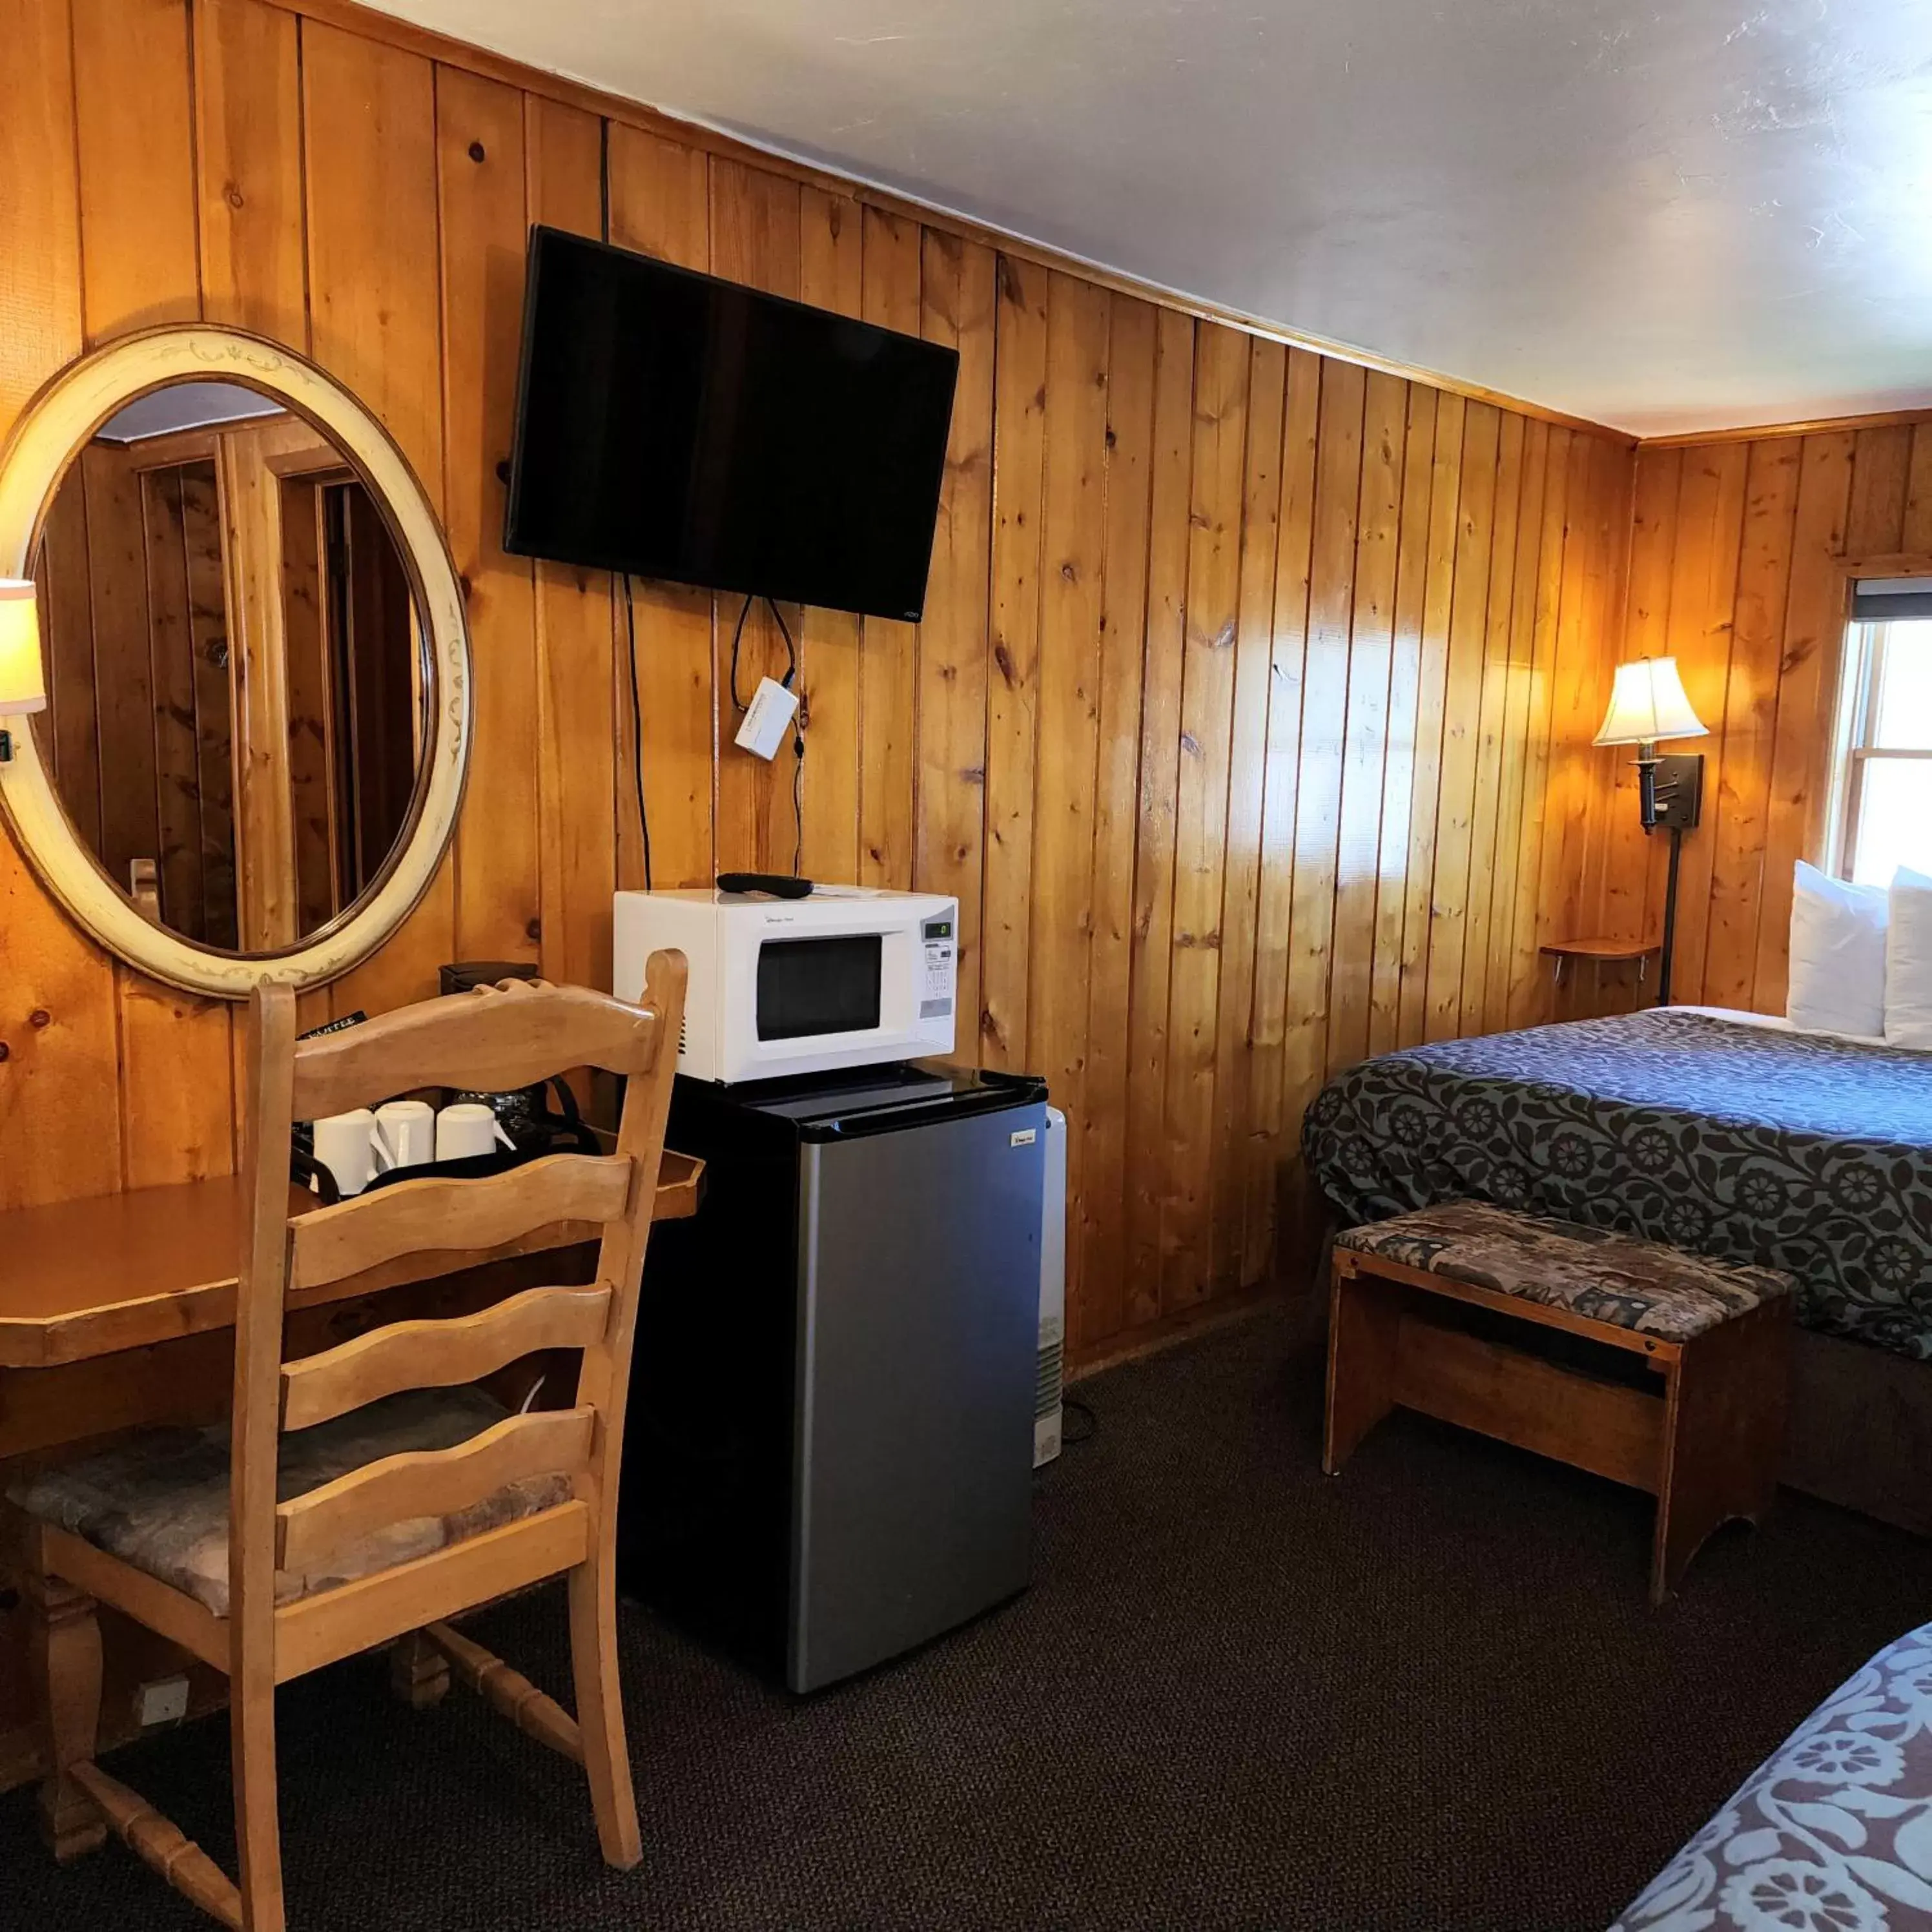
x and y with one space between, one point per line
677 426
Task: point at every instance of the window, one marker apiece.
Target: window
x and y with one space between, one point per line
1883 808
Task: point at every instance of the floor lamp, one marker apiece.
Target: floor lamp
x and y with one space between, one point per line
1647 702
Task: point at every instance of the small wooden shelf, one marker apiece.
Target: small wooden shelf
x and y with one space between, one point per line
1602 952
1602 948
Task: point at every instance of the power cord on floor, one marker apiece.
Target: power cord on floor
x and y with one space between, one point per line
1071 1405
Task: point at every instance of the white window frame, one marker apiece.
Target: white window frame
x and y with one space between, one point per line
1859 688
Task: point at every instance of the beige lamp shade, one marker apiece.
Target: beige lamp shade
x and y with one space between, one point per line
1647 702
23 682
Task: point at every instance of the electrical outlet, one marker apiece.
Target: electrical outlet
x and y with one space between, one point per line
162 1702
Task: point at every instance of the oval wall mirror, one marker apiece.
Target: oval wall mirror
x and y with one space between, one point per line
255 658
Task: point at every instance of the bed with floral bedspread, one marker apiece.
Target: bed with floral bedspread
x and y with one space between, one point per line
1788 1150
1832 1833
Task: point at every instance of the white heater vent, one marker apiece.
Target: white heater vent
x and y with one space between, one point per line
1048 1396
1052 1364
1051 1377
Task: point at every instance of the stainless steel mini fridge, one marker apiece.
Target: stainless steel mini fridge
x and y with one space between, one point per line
830 1452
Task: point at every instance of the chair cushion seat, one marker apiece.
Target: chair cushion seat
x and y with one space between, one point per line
1592 1272
157 1498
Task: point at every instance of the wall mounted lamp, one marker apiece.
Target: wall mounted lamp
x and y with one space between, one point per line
1647 703
23 683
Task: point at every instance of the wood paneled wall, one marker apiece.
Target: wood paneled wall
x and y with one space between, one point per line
1248 720
1738 561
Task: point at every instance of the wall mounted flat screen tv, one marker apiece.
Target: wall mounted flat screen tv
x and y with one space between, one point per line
676 426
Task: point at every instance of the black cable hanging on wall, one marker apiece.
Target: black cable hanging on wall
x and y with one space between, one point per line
637 727
789 681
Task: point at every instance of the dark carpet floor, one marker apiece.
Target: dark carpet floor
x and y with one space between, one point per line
1426 1695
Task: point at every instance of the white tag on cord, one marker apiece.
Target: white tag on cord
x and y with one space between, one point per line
765 719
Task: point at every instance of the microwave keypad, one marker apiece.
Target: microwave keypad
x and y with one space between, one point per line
937 1002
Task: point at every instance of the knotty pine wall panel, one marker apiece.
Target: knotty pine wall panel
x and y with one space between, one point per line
1248 721
1738 568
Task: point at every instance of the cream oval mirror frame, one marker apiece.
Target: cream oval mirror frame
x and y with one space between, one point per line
55 424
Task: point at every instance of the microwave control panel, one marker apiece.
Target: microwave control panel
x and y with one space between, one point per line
941 953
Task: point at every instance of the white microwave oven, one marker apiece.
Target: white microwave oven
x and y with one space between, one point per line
846 977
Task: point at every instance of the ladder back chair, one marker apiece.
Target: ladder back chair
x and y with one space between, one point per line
369 1492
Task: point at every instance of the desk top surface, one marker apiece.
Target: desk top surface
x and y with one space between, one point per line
84 1278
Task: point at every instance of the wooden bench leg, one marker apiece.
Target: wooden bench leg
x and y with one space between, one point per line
1364 1315
64 1638
1724 1430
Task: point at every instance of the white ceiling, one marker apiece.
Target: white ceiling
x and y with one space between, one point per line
191 405
1670 216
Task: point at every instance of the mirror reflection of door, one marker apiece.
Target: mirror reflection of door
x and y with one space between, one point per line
354 690
236 689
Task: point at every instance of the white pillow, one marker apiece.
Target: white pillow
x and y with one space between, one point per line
1908 961
1837 980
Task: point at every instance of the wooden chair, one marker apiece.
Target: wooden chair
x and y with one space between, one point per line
400 1541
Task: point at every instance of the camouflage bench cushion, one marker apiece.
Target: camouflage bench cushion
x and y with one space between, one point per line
1832 1833
157 1498
1611 1278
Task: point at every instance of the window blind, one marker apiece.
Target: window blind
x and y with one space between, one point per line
1891 600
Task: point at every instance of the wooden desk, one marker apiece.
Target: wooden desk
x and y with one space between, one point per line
88 1278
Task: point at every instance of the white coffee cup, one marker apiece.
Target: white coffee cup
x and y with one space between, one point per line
346 1144
467 1129
406 1132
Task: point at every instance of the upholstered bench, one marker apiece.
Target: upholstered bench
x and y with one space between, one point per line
1636 1361
1831 1831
